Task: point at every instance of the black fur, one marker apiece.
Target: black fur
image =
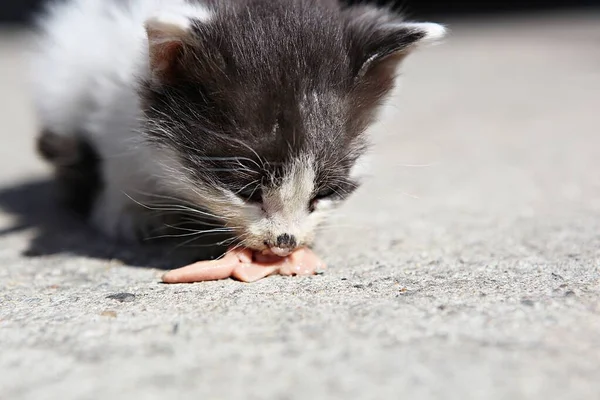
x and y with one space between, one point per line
77 169
265 81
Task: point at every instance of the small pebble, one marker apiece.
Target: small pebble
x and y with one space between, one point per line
108 313
122 297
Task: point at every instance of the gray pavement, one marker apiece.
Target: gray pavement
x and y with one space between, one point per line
475 275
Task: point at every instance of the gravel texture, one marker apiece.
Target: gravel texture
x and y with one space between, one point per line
468 267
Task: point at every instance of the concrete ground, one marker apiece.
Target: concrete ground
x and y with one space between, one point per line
474 275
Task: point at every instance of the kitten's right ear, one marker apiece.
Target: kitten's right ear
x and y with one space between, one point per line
379 40
166 40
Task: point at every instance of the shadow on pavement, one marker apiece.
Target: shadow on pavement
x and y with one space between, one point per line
58 231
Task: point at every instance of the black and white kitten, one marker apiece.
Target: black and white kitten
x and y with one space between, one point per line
251 113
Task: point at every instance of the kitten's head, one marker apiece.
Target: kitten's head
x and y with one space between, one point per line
261 108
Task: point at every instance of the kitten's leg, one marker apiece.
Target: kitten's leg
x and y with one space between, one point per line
115 216
122 210
76 166
96 188
112 192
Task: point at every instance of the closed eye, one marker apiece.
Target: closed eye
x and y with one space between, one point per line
322 194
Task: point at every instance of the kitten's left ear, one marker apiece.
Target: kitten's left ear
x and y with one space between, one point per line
380 40
166 40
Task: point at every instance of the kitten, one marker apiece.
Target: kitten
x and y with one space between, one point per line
248 114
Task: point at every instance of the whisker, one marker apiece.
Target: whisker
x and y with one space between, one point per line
197 230
187 242
245 186
174 207
197 233
418 165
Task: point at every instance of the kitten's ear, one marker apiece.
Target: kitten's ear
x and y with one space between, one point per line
380 40
166 40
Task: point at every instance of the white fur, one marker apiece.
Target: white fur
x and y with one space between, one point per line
284 209
288 206
433 32
84 71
